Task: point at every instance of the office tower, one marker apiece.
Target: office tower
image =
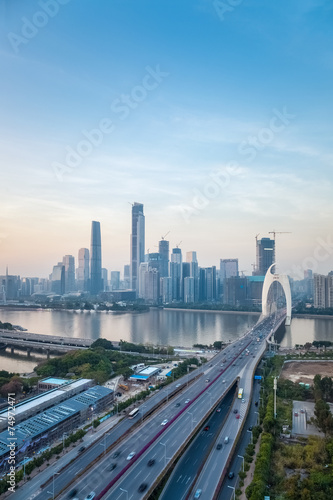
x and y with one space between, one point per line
163 249
210 283
115 280
308 275
265 255
105 279
58 279
235 291
166 289
202 284
69 264
228 268
82 272
188 290
148 284
137 242
191 258
96 284
176 273
143 268
155 261
10 286
127 277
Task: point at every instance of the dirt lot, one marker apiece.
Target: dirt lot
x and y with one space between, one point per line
304 371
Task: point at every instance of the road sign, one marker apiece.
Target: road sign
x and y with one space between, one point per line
257 377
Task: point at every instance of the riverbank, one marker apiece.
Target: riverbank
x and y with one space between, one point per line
313 316
218 311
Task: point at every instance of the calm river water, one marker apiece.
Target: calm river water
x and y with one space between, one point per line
158 327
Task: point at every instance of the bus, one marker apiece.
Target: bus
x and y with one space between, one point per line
133 413
240 393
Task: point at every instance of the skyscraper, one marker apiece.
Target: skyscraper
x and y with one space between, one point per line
137 242
69 264
115 280
163 248
82 272
191 258
105 279
58 279
96 284
228 268
176 273
265 255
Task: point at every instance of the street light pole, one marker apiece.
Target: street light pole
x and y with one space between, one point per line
52 492
251 436
240 456
125 492
165 458
24 468
232 489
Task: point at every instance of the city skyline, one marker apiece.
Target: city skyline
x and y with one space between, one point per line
216 143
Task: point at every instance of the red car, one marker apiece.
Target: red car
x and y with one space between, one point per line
238 415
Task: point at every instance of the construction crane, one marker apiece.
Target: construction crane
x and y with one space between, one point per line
178 244
163 237
243 271
278 232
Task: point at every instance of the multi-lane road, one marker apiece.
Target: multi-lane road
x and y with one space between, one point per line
184 413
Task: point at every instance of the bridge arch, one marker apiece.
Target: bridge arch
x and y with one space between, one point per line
283 279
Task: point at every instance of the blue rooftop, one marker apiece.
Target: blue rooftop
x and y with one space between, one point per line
53 380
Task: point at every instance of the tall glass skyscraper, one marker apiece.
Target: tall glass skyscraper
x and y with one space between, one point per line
163 248
82 272
137 243
265 255
96 283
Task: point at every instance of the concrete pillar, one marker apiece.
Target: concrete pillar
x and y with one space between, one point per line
29 351
12 350
48 353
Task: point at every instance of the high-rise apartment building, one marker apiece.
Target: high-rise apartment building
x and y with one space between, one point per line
82 272
176 273
163 249
166 290
210 283
96 284
265 255
69 264
319 290
137 242
188 290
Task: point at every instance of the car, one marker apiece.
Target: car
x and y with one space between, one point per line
218 410
302 411
72 494
177 405
256 403
231 475
81 449
116 454
91 496
187 401
238 415
296 413
151 462
250 428
207 428
210 365
219 446
165 421
178 385
142 487
111 467
253 356
226 440
235 410
207 380
131 455
243 400
197 493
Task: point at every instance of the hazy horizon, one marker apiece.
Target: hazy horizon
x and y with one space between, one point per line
221 125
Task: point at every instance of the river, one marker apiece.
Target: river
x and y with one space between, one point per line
157 327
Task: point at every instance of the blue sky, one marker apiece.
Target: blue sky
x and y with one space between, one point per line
212 114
